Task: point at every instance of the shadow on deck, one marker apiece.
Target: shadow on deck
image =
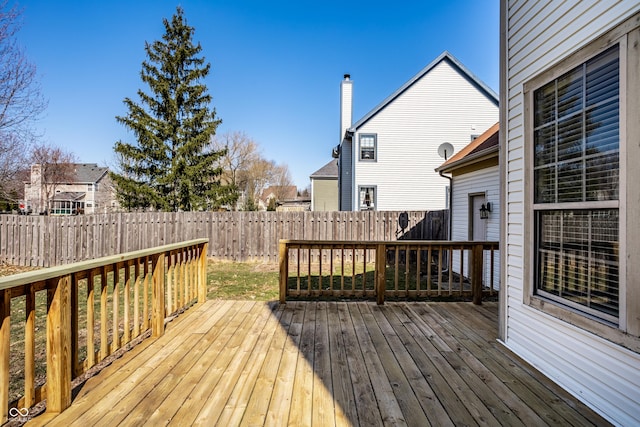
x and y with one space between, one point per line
324 363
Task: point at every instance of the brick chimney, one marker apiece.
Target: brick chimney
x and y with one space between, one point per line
346 105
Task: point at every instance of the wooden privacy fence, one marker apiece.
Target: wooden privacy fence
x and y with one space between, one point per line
67 319
235 236
379 269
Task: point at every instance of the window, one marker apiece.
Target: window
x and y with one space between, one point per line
576 143
367 196
368 147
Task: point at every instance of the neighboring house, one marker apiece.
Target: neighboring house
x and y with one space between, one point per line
281 193
87 190
386 159
299 204
475 198
324 187
570 231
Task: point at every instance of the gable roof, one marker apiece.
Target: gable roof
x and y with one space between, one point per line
444 56
287 192
330 170
478 149
88 172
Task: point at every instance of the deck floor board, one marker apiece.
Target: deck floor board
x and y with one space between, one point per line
324 363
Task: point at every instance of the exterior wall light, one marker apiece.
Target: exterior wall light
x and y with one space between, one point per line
484 210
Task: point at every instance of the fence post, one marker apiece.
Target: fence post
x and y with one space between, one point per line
59 345
476 274
5 349
202 274
283 257
381 272
157 295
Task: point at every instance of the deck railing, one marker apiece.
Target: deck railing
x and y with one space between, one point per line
388 269
61 321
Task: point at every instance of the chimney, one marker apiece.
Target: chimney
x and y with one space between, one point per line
346 105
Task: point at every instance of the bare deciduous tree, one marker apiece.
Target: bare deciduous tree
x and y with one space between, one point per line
247 170
21 101
55 166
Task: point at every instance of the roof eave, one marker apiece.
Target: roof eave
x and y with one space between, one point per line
478 157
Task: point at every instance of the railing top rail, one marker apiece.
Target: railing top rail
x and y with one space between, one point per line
390 242
62 270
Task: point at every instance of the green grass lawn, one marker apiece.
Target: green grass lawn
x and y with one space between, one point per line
242 281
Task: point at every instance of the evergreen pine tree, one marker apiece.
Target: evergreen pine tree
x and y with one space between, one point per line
172 166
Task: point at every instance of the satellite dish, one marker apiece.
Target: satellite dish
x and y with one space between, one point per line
445 150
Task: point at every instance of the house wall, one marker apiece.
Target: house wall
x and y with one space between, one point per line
345 169
604 374
485 181
324 194
104 199
442 106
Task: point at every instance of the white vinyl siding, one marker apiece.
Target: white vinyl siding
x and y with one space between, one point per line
603 374
441 106
482 181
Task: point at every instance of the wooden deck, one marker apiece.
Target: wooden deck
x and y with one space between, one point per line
324 363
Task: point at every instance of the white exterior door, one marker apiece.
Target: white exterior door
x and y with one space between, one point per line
478 227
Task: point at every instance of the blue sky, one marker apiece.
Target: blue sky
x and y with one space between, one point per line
276 65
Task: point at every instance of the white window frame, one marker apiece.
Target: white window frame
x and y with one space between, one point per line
374 198
374 150
627 330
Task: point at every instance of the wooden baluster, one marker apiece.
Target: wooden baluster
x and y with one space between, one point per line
283 257
104 340
29 348
115 331
136 300
127 302
91 352
476 274
145 295
59 344
429 269
381 272
171 305
5 350
157 295
202 281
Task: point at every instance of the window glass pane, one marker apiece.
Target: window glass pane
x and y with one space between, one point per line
545 100
367 198
582 143
549 251
602 177
602 80
570 93
575 256
578 257
570 138
602 127
545 145
367 147
570 182
545 180
604 261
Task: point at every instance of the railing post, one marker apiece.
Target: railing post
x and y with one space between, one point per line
59 345
5 349
283 257
476 274
157 295
381 272
202 274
